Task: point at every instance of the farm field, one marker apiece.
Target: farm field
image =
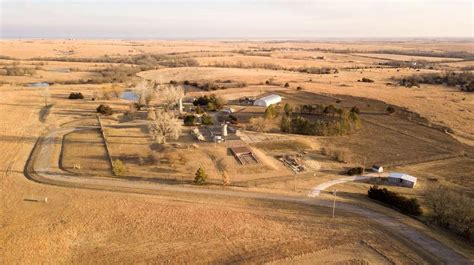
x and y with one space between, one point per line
254 209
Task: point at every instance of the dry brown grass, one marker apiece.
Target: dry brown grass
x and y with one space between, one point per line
82 226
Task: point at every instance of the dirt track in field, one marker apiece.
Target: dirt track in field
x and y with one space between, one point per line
40 166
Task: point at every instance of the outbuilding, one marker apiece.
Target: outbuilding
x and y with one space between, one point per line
377 168
402 179
267 100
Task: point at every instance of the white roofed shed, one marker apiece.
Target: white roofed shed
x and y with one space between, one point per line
267 100
402 179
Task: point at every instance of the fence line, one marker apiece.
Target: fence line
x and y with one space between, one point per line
106 145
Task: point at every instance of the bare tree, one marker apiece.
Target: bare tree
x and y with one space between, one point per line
46 95
170 94
145 91
258 124
225 179
164 126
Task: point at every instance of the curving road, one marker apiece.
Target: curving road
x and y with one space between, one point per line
321 187
39 168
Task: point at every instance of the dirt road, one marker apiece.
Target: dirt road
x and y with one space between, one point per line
317 190
40 169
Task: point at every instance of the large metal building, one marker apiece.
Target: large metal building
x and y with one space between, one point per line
402 179
267 100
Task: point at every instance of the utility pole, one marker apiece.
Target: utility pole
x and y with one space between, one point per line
295 181
334 203
363 166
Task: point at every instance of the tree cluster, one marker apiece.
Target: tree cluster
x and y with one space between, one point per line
464 80
332 121
212 102
17 71
200 177
452 210
355 171
403 204
163 126
77 95
104 109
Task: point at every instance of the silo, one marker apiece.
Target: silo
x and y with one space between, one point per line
224 130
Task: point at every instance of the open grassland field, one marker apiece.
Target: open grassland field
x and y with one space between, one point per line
430 135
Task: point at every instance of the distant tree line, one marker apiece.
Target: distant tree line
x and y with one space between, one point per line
216 85
272 66
15 70
463 80
446 54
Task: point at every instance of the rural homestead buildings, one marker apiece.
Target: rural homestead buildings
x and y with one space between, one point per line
402 179
267 100
376 168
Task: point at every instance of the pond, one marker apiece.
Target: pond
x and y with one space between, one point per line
38 84
129 95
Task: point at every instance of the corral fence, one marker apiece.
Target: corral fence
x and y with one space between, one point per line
107 149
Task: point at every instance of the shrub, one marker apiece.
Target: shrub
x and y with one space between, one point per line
199 110
367 80
271 112
258 124
104 109
299 88
355 110
390 110
287 85
77 95
119 167
403 204
190 120
288 109
200 177
206 120
233 119
355 171
211 107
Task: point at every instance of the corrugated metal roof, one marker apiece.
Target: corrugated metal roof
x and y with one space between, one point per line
271 98
402 176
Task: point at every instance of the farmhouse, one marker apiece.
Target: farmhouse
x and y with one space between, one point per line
267 100
402 179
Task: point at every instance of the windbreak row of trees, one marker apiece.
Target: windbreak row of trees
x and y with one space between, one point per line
140 59
333 121
402 203
464 80
272 66
15 70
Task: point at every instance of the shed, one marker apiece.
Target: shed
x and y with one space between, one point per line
267 100
244 155
402 179
377 168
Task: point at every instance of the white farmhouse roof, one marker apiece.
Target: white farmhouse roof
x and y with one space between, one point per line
267 100
402 176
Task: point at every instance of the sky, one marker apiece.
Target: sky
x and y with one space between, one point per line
231 19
